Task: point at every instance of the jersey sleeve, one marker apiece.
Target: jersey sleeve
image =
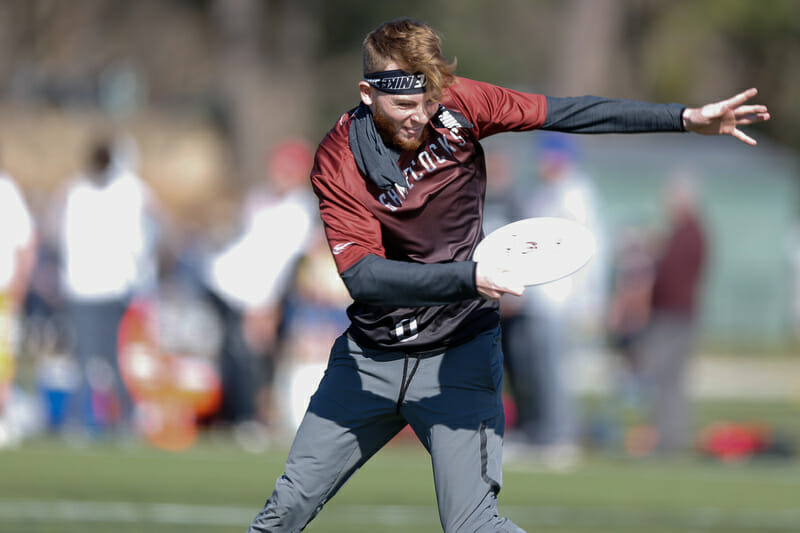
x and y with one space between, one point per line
493 109
351 229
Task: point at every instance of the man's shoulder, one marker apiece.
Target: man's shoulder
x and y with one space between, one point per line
466 95
334 159
463 88
338 137
340 132
455 92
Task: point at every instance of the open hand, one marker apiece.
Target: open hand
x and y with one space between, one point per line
725 117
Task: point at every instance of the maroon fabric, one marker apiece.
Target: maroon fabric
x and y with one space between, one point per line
680 269
437 219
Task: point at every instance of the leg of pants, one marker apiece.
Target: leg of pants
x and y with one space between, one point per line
237 365
454 404
350 417
670 341
96 327
547 410
323 457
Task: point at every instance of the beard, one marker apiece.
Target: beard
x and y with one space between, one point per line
390 133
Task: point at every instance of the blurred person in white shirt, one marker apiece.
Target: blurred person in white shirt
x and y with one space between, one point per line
17 254
107 257
252 275
557 312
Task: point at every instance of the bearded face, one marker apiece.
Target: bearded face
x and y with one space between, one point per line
401 120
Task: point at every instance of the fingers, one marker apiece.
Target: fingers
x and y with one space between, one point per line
516 290
750 110
487 294
493 281
739 99
507 282
752 119
497 293
742 136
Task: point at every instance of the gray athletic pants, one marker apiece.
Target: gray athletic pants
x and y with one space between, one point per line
451 400
669 344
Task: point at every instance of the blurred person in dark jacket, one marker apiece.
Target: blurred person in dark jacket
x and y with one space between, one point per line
671 334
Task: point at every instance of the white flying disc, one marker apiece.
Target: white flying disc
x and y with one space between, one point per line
538 250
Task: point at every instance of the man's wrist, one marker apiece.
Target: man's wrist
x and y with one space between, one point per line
686 118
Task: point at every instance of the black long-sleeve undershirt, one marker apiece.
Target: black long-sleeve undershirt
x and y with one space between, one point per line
594 114
378 281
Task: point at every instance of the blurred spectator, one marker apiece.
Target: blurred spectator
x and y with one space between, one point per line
17 243
316 304
250 278
107 257
548 412
671 333
629 309
502 206
17 255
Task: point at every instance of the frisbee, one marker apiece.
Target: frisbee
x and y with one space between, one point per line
538 250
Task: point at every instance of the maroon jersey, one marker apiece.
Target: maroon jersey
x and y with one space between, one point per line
680 269
436 219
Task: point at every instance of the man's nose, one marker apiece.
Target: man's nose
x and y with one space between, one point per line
419 115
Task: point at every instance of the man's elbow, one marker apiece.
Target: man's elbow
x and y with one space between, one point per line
360 281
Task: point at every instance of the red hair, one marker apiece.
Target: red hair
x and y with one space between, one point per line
415 47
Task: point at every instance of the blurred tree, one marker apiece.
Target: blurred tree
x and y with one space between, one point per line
693 51
276 67
265 75
578 68
685 50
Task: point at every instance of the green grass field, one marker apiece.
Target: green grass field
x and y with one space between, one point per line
216 487
45 487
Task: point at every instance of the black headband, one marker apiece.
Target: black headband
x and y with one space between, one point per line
397 81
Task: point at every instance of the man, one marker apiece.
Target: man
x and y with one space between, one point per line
539 370
400 181
670 335
249 286
18 239
108 257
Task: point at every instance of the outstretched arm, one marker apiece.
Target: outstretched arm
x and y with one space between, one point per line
594 114
724 117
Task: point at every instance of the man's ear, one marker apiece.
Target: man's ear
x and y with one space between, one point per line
366 92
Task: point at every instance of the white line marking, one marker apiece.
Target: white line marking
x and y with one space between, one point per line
54 511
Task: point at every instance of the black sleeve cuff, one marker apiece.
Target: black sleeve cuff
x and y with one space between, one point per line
378 281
